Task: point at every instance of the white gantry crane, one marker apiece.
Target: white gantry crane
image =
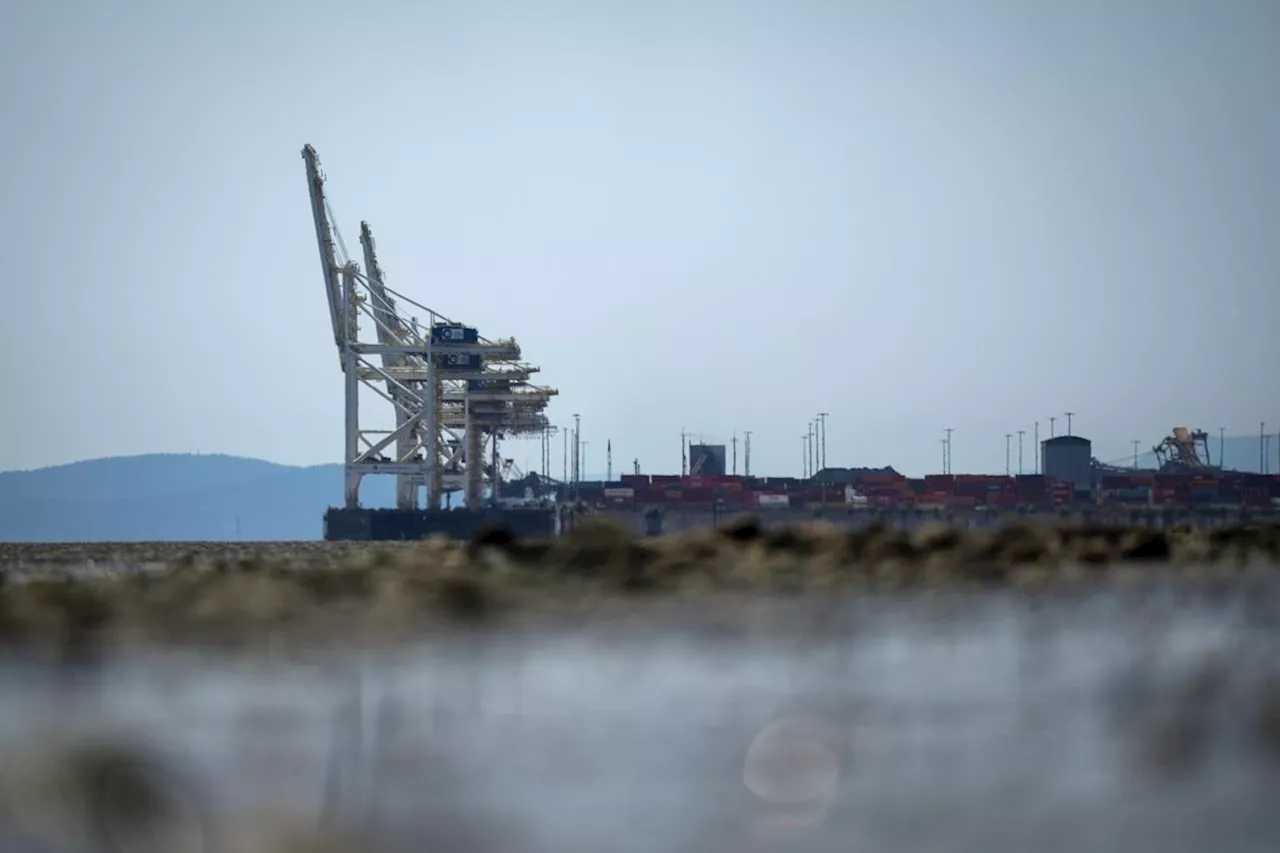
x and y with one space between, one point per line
453 393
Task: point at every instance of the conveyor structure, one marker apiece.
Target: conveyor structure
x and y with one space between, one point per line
454 395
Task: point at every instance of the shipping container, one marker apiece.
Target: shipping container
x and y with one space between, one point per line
772 501
619 492
1133 493
635 479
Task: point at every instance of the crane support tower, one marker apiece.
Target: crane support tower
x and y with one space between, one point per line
453 397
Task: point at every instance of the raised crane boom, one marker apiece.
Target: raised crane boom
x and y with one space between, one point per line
324 239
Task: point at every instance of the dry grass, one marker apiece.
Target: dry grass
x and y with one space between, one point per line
243 592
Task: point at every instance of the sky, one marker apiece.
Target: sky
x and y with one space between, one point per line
711 216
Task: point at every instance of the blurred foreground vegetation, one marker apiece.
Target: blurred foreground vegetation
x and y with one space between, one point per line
74 598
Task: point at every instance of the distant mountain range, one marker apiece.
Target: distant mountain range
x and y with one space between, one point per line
185 497
168 497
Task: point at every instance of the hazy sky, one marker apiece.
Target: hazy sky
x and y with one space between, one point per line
712 215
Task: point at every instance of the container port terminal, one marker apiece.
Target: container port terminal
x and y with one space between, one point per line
449 398
1185 485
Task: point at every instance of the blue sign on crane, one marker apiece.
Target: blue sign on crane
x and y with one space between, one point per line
458 361
454 335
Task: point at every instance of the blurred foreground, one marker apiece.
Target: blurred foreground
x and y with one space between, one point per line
1073 713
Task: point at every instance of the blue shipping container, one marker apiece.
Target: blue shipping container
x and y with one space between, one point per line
454 335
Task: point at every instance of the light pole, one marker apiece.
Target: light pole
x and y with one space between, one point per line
822 418
1069 416
746 452
946 457
1021 433
1135 454
577 448
1222 448
1008 445
1037 447
813 448
1053 432
804 456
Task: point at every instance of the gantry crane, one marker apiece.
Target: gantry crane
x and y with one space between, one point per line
451 390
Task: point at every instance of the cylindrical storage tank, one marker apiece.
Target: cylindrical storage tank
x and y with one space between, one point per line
1069 459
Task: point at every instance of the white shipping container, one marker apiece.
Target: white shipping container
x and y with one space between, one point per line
773 501
620 493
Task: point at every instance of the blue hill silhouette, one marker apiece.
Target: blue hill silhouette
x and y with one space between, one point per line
174 497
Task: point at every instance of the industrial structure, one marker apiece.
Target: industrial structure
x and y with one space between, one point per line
708 460
1069 459
451 395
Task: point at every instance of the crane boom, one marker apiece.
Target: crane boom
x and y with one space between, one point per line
324 239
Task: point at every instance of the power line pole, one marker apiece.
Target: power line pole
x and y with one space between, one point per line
1008 445
1222 448
804 456
1135 454
1021 433
946 456
943 442
1069 416
1037 447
